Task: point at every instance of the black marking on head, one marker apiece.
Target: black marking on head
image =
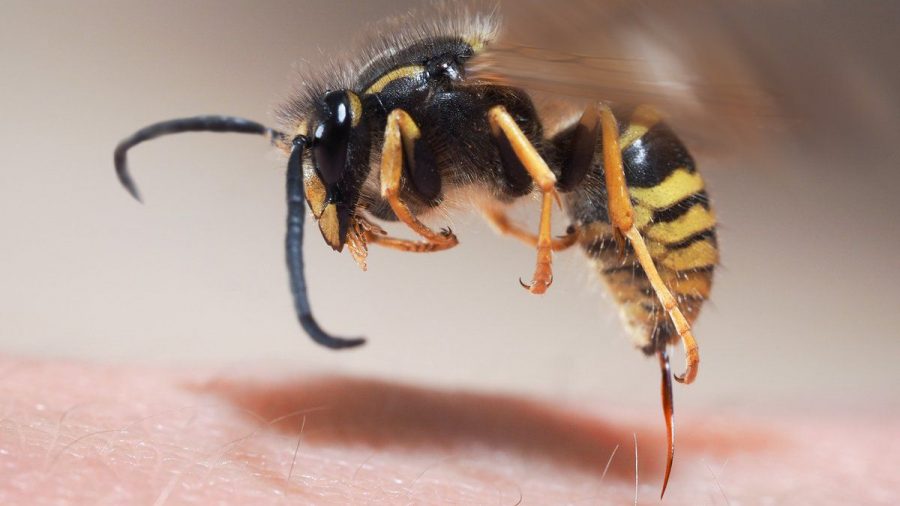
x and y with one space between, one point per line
340 145
330 137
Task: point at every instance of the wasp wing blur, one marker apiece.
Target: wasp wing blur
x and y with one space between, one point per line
732 77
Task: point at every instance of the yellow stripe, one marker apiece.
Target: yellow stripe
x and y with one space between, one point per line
675 188
642 120
642 216
696 284
399 73
699 254
625 290
697 219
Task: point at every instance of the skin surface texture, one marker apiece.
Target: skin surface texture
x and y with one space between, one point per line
73 433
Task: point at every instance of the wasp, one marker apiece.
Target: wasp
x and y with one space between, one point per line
393 134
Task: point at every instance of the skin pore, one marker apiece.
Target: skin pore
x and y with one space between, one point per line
75 433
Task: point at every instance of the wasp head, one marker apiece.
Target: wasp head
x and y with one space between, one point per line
335 163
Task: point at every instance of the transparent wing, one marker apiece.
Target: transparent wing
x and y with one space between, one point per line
729 75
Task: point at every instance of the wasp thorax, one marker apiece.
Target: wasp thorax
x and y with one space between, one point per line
448 66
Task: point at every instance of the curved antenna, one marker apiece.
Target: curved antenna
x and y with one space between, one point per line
296 201
176 126
295 198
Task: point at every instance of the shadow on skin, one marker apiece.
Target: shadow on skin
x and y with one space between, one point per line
382 414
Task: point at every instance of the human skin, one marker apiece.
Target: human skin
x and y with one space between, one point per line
74 433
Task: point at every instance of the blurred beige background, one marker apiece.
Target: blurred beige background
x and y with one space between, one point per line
805 306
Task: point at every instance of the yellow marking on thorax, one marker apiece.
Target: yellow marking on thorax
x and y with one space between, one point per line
398 73
643 119
355 109
696 220
476 43
699 254
675 188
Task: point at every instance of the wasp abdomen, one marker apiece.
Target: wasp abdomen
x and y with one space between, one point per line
673 214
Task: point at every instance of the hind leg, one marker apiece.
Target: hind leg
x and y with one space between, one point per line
621 215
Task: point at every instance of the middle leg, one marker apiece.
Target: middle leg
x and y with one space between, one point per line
505 130
363 233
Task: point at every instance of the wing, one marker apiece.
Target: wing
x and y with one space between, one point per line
729 75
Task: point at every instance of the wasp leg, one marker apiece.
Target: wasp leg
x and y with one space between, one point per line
503 126
363 233
501 222
402 132
621 215
580 151
373 234
407 245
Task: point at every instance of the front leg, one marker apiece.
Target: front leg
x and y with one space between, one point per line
363 233
507 133
400 140
373 234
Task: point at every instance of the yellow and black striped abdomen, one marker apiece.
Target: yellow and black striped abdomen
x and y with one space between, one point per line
672 212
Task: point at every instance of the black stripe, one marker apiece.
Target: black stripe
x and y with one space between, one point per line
599 245
621 268
679 209
634 268
688 297
707 269
650 306
649 160
703 235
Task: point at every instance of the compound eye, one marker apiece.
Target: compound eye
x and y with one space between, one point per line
331 136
